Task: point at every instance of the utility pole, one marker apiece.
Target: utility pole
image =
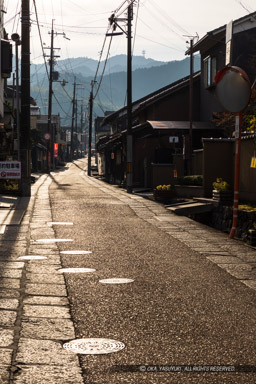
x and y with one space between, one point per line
16 38
129 161
73 120
129 146
50 128
25 148
49 121
191 106
190 160
81 127
76 124
90 130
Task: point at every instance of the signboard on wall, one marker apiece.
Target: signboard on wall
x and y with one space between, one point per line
56 148
10 170
253 162
229 32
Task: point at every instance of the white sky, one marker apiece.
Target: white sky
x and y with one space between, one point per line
160 30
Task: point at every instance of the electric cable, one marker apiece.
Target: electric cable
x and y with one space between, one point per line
168 18
102 74
135 29
40 36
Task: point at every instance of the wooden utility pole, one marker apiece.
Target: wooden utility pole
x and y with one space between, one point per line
25 147
191 107
50 143
50 127
90 130
81 127
129 161
73 121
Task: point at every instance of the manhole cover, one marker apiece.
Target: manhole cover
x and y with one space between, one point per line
76 270
116 281
59 223
32 257
94 346
75 252
52 240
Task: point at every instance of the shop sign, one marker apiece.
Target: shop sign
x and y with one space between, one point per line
56 147
253 162
10 170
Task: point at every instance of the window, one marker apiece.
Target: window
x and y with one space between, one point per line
209 71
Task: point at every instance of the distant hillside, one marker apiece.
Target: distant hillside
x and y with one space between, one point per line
87 67
148 76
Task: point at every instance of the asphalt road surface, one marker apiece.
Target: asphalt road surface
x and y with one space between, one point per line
181 314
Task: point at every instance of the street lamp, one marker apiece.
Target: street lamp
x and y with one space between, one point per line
16 38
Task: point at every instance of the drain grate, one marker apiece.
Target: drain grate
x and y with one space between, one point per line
75 252
52 240
94 346
30 257
76 270
116 281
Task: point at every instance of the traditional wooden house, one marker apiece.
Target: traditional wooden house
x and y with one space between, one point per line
212 48
160 130
219 155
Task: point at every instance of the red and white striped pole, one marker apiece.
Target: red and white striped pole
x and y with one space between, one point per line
237 177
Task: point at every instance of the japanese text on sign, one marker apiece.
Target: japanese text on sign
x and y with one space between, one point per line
10 170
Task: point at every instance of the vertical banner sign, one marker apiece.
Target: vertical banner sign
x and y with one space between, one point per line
56 147
229 32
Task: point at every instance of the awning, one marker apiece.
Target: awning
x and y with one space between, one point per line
60 141
179 125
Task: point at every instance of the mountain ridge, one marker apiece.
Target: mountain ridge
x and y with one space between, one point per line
112 93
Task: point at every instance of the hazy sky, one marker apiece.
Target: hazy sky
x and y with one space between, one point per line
161 25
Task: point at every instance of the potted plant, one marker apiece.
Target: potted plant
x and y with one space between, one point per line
221 191
163 192
252 235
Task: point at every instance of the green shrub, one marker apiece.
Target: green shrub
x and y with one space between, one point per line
164 187
8 186
247 207
190 180
220 185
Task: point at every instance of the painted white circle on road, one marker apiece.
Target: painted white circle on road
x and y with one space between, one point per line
30 257
94 346
59 223
75 252
116 281
53 240
76 270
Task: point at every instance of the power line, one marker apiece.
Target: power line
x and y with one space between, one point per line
168 18
136 23
40 36
164 45
103 71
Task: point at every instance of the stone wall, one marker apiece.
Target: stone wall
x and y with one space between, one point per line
222 217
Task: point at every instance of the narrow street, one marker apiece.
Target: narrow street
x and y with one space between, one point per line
188 303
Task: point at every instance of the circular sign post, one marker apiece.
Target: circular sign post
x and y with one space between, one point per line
47 136
233 90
